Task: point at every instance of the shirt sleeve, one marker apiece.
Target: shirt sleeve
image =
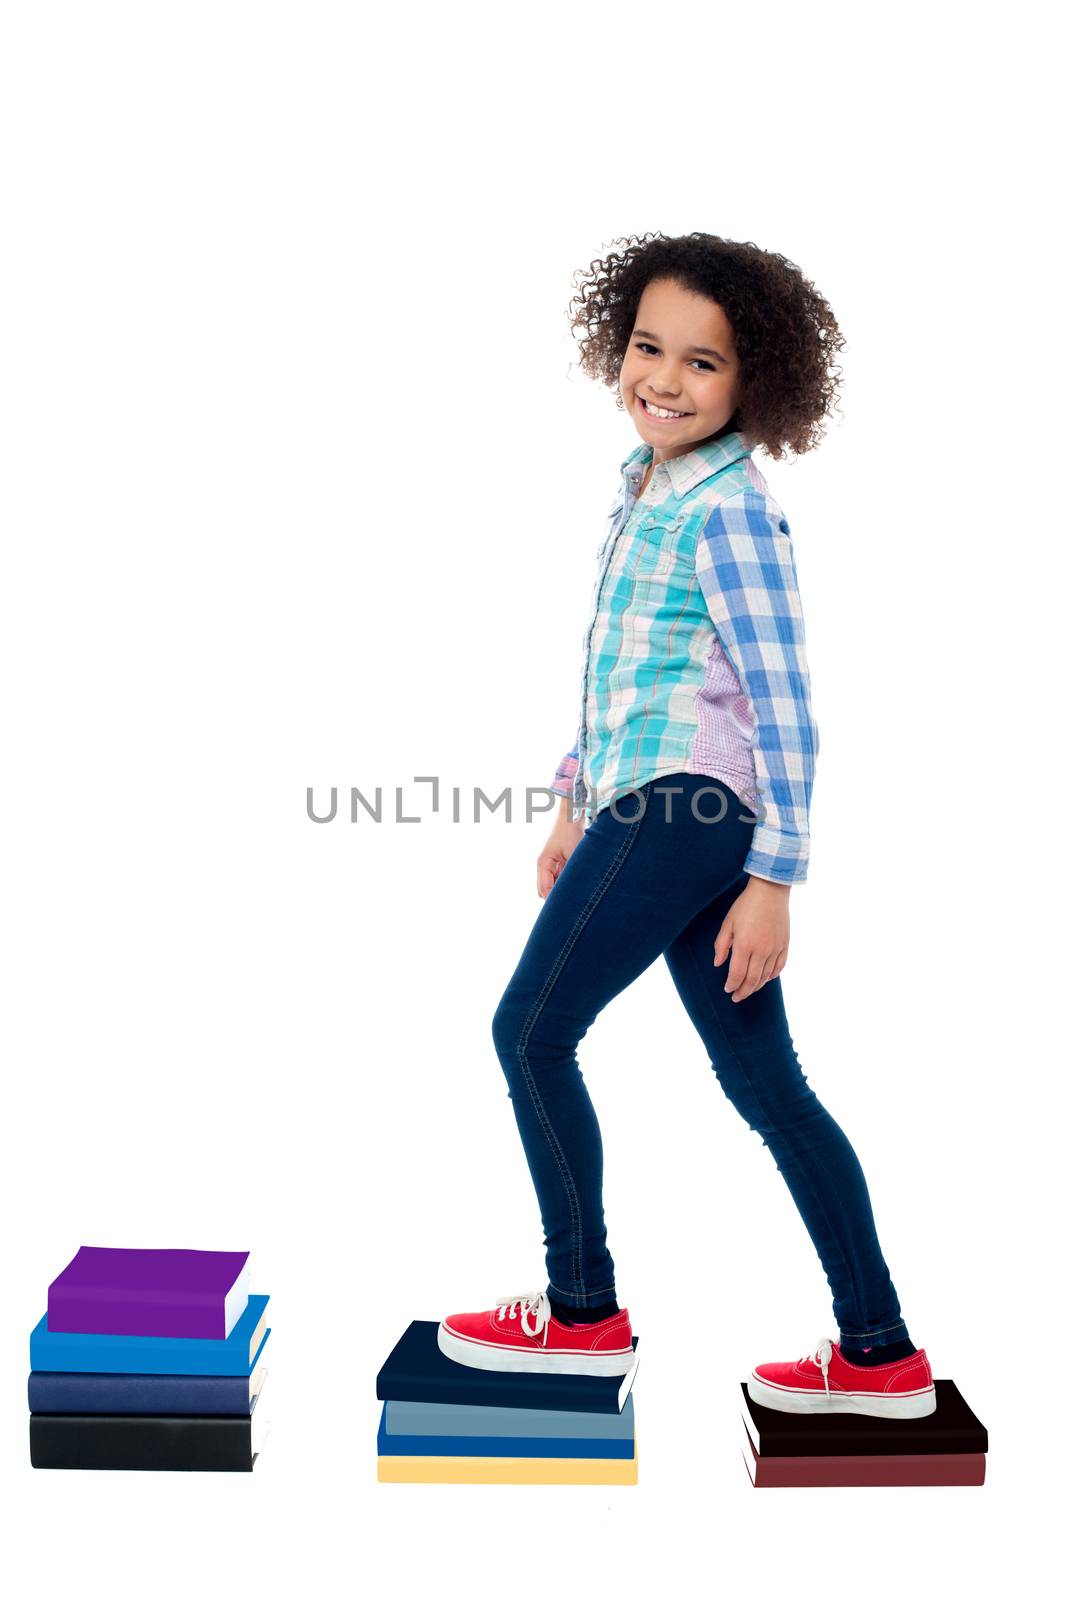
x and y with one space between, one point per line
565 773
746 569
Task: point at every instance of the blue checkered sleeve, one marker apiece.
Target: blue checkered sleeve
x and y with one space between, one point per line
746 570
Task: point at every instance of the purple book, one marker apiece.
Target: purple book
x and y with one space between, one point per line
169 1294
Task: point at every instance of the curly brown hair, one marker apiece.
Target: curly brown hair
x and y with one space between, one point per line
785 332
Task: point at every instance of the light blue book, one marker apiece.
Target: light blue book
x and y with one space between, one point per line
128 1352
568 1446
504 1422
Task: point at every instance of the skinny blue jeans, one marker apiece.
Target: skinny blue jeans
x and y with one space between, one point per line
649 877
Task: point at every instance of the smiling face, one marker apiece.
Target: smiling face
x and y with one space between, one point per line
680 358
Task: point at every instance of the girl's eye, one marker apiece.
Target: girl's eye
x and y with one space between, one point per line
641 344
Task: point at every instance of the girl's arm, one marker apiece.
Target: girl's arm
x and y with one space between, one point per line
568 830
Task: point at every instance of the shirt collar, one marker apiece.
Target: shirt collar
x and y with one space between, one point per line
686 472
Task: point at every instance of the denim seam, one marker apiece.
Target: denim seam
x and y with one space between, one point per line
851 1338
632 828
553 1291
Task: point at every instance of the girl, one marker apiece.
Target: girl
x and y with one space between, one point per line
694 671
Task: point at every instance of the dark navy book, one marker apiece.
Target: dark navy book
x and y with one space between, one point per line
417 1369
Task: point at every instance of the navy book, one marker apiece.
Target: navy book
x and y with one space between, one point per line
145 1393
417 1369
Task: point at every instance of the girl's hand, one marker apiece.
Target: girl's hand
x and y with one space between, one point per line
757 930
563 839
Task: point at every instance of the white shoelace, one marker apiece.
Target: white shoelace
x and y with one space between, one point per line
536 1305
821 1358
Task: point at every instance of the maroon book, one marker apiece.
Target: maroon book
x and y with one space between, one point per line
836 1472
169 1294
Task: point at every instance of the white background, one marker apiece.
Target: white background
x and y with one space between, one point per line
302 486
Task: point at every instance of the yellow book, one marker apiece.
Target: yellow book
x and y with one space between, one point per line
504 1469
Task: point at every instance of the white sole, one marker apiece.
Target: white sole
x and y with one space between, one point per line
864 1405
492 1359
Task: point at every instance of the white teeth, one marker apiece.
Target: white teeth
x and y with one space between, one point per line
657 411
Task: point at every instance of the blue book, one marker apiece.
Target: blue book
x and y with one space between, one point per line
145 1394
495 1444
132 1352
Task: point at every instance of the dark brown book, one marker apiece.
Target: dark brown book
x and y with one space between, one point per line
952 1429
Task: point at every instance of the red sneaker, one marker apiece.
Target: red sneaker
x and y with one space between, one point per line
827 1381
505 1340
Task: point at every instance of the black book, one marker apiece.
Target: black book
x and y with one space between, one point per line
952 1429
143 1444
418 1369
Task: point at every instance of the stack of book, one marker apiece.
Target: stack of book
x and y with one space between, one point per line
149 1360
446 1423
784 1450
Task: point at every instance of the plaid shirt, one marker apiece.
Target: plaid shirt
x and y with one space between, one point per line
694 654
